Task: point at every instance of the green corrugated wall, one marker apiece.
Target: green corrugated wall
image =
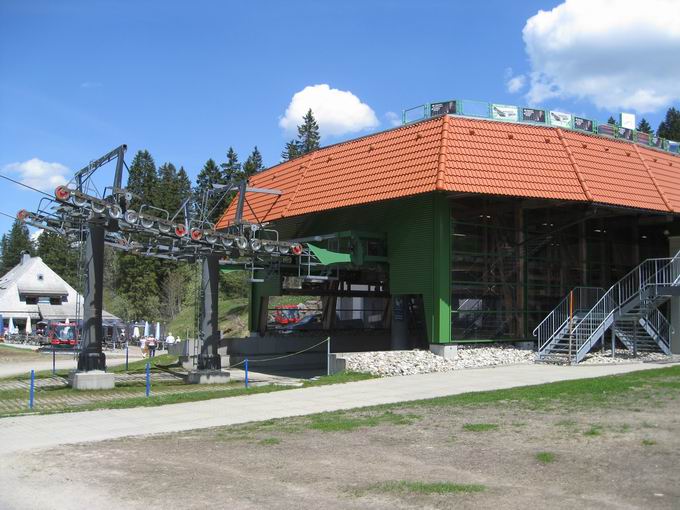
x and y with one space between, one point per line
418 247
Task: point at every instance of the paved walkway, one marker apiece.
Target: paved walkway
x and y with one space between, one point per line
35 432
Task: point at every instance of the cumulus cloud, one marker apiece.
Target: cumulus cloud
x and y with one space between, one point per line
338 112
39 174
614 53
514 83
393 119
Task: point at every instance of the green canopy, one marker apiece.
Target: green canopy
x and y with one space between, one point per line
327 257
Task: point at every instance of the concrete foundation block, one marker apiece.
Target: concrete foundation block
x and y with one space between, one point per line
446 351
529 346
93 380
338 363
208 377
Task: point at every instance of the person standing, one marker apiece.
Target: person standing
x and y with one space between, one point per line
143 346
151 343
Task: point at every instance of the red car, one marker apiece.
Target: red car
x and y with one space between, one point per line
286 314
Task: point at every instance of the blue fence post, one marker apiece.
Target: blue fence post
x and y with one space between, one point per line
148 379
246 369
32 392
54 362
126 354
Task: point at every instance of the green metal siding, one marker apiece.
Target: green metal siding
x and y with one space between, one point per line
410 227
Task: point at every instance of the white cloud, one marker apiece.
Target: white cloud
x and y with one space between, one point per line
614 53
515 83
393 119
338 112
39 174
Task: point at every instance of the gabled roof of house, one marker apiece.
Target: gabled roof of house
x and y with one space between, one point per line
459 154
32 277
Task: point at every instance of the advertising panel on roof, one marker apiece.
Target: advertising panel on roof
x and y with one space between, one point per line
442 108
504 112
627 120
583 124
533 115
560 119
626 133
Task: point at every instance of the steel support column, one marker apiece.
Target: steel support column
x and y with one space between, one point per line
209 334
91 356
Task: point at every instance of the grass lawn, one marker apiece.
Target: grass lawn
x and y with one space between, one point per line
128 394
565 397
526 447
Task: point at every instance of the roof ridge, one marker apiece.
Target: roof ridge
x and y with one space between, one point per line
651 176
579 176
305 166
441 160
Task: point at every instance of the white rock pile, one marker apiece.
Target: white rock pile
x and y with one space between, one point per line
391 363
624 356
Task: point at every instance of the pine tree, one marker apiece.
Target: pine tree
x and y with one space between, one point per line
137 277
137 284
232 168
183 184
308 134
291 151
644 127
142 180
173 188
611 120
207 177
253 164
57 253
4 244
18 241
670 126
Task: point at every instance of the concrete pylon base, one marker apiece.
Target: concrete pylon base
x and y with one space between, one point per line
446 351
92 380
208 377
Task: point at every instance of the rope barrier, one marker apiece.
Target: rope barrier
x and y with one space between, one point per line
289 355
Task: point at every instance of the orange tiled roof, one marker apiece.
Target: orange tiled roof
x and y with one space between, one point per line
468 155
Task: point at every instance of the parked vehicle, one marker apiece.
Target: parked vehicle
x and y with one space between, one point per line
286 314
63 334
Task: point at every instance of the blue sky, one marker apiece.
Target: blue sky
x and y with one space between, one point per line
186 80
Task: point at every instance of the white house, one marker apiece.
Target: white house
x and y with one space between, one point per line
32 290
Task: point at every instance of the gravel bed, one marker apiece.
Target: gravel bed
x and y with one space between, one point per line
625 356
391 363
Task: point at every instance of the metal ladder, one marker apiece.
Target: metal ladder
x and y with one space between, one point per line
580 321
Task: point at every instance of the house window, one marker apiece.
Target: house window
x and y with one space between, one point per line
31 300
55 301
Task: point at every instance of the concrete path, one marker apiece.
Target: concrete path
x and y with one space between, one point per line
35 432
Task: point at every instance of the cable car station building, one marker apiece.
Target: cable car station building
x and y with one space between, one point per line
456 229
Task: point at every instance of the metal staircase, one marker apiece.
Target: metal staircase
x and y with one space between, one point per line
630 308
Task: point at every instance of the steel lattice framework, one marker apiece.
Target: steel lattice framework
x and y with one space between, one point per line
81 213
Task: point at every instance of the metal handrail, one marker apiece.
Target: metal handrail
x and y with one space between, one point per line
650 273
579 299
658 322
